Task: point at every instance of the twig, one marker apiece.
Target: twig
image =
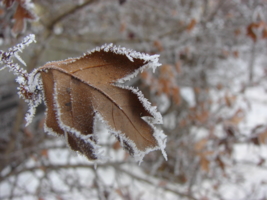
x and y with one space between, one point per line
69 12
151 183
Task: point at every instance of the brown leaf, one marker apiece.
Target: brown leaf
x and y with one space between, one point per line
21 14
261 162
158 45
116 145
29 134
262 137
252 27
200 145
204 163
237 117
8 3
144 75
181 178
122 27
191 25
229 130
176 96
166 71
2 11
237 32
44 153
178 67
220 162
264 33
236 54
251 33
162 183
229 100
255 141
121 2
79 90
219 86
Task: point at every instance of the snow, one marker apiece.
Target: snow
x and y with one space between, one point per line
188 94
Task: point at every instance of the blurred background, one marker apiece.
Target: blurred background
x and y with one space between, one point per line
210 89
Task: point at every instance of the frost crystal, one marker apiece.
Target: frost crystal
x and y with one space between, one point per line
20 59
20 80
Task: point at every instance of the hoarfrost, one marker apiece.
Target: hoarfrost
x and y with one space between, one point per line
20 59
157 117
20 80
50 130
138 155
35 86
67 129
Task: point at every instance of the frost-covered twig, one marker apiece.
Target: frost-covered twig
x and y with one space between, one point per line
6 57
27 88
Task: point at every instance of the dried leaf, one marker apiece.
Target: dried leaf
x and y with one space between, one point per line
264 33
220 162
219 86
121 2
255 141
261 162
203 153
178 67
44 153
2 11
229 100
122 27
236 54
158 45
252 27
8 3
162 183
200 145
78 90
166 71
262 137
191 25
181 178
237 32
144 75
116 145
204 163
229 130
176 96
237 117
22 14
251 33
